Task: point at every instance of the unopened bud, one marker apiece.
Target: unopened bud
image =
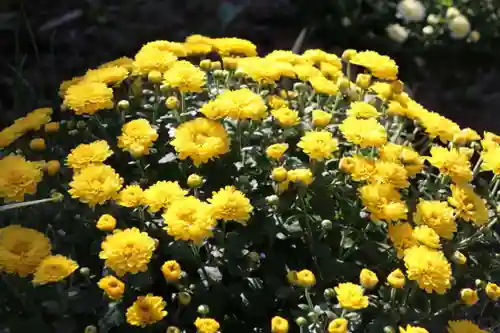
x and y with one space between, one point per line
90 329
155 76
215 65
123 104
85 271
173 329
203 309
348 54
389 329
301 321
363 80
272 199
300 86
194 180
344 85
205 63
164 88
80 124
184 298
326 224
329 293
239 74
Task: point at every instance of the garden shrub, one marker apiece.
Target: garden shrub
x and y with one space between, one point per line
199 187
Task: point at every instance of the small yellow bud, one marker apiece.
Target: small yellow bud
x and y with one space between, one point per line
469 296
279 325
173 329
205 64
348 54
215 65
239 74
301 321
493 291
305 278
279 174
123 104
106 223
459 258
194 180
38 144
368 279
397 87
338 325
52 167
51 127
363 81
229 63
321 118
172 102
203 309
155 76
396 279
184 298
344 84
329 293
85 271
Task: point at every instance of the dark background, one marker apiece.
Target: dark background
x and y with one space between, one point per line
43 42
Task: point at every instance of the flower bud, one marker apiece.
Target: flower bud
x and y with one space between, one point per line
301 321
52 167
194 180
300 86
203 309
90 329
428 30
184 298
205 64
411 10
239 74
474 36
368 279
363 80
279 174
344 85
165 88
469 296
397 32
479 283
492 291
254 256
389 329
433 19
313 316
229 63
219 74
329 293
459 27
80 124
51 127
173 329
326 224
348 54
123 104
272 199
452 12
155 76
459 258
85 271
38 144
172 102
396 279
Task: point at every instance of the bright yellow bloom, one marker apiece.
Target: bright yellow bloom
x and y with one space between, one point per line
194 180
318 145
469 296
412 329
463 326
124 62
109 75
106 223
363 132
276 151
286 117
466 135
452 163
146 310
85 155
338 325
301 175
396 109
305 278
279 174
438 216
316 56
468 205
321 118
490 141
276 102
382 90
234 46
330 71
390 173
149 59
324 86
396 279
380 66
137 137
22 249
425 235
306 72
206 325
162 194
429 268
493 291
54 269
359 167
279 325
127 251
185 76
491 160
52 167
368 279
189 219
362 110
285 56
131 196
96 184
401 236
171 270
264 71
439 126
383 202
229 204
18 177
351 296
200 139
88 97
179 49
113 287
63 87
237 104
363 81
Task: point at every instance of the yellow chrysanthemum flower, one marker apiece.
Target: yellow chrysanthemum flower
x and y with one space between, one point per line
401 236
380 66
185 76
382 90
285 56
330 71
113 287
276 151
146 310
351 296
162 194
438 215
390 173
237 104
234 46
96 184
54 269
64 86
131 196
368 279
305 278
383 202
469 296
171 270
179 49
466 135
491 160
318 145
286 117
124 62
321 118
338 325
306 72
492 291
363 132
362 110
106 223
425 235
412 329
149 59
452 163
229 204
109 75
88 97
276 102
85 155
429 268
316 56
468 205
463 326
323 86
18 177
264 71
206 325
22 249
137 137
279 325
189 219
127 251
438 126
201 140
396 279
359 167
301 175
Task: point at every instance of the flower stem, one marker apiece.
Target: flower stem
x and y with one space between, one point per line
309 233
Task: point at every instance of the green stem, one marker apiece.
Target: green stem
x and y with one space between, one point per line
308 299
309 233
196 254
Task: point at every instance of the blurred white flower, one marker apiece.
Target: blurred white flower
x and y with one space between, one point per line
433 19
411 10
474 36
452 12
428 30
397 32
459 27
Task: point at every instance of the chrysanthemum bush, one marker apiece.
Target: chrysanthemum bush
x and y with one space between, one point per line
199 187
